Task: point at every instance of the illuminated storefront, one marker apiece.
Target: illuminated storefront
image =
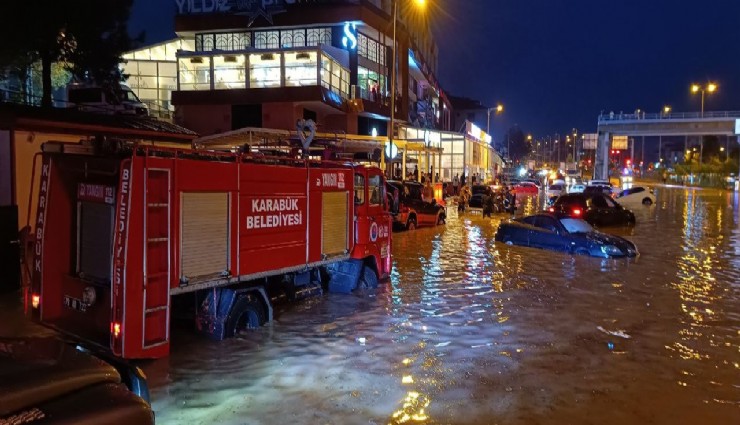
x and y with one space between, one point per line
268 64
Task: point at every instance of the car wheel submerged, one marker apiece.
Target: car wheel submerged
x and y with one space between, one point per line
647 201
247 313
581 251
368 279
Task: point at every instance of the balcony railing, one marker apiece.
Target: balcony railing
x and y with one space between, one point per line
667 116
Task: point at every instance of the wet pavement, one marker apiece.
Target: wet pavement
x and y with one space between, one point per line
472 332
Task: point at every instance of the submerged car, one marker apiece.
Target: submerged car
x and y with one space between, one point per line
636 196
563 233
475 202
47 380
409 210
597 209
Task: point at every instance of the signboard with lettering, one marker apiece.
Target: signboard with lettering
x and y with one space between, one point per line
590 141
619 142
96 193
274 212
250 8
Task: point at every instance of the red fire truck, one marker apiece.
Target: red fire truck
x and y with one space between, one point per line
122 235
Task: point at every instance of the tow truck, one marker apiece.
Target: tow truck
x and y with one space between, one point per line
125 229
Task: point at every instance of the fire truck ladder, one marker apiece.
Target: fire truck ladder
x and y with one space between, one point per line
156 257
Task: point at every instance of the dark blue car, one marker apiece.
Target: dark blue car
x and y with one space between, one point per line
563 233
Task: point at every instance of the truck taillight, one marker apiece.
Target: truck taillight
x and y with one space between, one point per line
577 212
115 328
35 300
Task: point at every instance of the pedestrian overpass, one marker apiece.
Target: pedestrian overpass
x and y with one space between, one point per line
640 124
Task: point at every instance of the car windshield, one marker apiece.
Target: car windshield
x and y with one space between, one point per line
576 225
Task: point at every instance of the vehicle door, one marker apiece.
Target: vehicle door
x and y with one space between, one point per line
608 212
617 214
414 201
380 221
547 234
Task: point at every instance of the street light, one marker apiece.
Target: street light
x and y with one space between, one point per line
709 88
667 109
419 3
499 109
575 144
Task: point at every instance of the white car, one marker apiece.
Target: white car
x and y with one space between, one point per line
577 188
635 196
555 190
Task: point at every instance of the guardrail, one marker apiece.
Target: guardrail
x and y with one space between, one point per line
667 116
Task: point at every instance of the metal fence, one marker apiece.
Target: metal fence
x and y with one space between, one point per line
612 116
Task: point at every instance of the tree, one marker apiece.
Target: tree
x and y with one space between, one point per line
87 36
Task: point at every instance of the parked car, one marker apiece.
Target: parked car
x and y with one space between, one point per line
555 190
563 233
51 381
596 208
599 188
475 203
411 211
526 188
635 196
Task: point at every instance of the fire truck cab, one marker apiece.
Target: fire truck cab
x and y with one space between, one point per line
121 233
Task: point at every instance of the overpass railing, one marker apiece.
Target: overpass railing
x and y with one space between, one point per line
612 116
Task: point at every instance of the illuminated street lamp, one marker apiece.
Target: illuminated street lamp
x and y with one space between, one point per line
499 109
709 88
420 4
667 109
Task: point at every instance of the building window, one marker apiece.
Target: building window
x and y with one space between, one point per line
229 72
316 36
301 69
334 76
293 38
267 39
372 84
370 49
222 41
264 70
195 73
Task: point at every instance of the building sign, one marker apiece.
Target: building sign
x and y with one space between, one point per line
619 142
590 141
349 39
250 8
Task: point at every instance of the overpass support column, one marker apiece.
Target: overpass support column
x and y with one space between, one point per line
601 162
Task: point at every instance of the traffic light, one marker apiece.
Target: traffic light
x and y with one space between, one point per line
629 162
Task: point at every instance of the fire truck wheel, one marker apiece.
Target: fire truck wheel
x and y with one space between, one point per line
247 313
411 224
368 280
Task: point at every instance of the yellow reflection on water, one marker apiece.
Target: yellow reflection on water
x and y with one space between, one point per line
413 409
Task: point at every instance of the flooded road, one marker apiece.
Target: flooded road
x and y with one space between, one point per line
472 332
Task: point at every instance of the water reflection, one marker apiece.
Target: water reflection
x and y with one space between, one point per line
471 331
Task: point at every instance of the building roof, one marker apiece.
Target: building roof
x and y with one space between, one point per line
67 120
465 103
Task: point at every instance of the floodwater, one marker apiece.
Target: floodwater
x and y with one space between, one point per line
473 332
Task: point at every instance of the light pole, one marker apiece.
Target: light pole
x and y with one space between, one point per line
708 88
420 3
499 109
575 144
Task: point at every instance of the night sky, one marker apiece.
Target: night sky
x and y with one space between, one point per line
556 64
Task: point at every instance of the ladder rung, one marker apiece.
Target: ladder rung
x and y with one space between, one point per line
157 204
153 240
155 309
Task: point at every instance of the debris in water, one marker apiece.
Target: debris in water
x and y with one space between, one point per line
619 333
361 340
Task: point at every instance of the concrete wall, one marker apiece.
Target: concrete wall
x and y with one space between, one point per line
204 119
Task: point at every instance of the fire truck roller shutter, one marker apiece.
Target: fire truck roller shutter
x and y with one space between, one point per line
334 223
205 235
